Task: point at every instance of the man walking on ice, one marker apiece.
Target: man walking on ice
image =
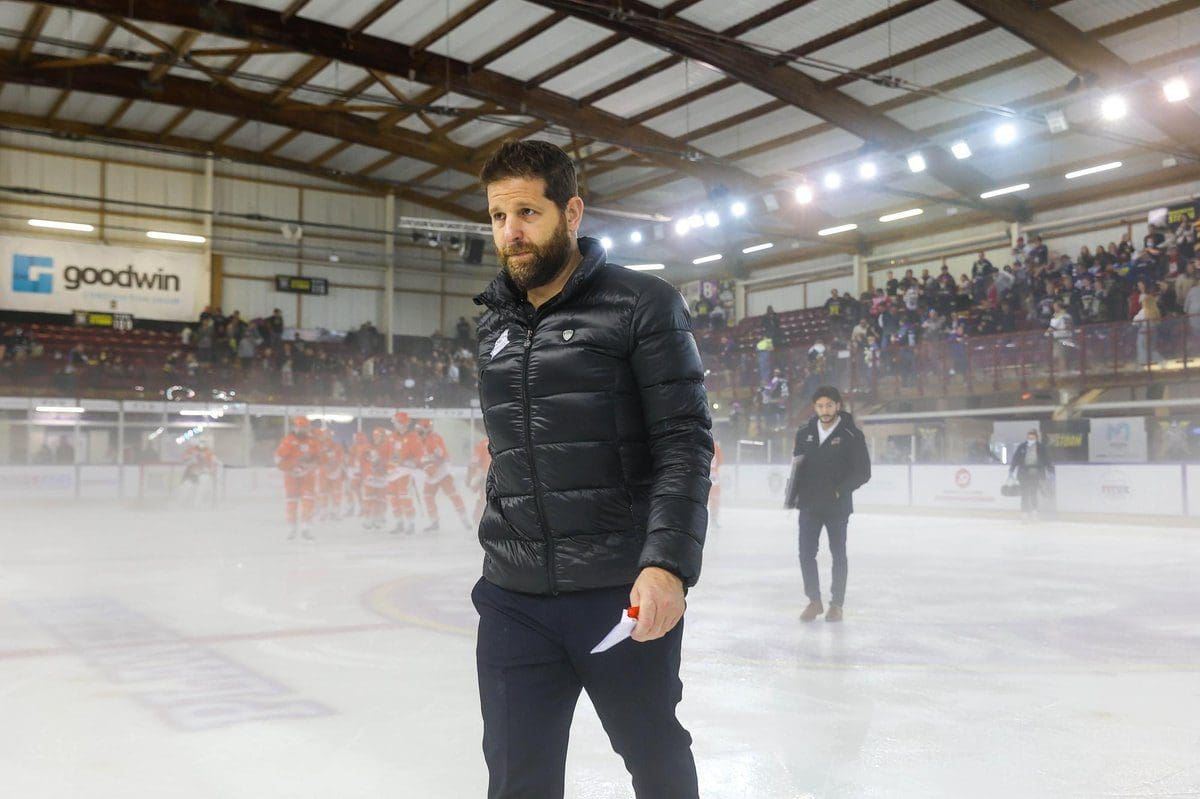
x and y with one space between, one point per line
592 395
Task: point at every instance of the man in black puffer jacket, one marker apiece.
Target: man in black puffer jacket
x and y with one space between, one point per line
592 394
834 463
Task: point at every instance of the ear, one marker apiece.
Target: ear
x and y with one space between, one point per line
574 214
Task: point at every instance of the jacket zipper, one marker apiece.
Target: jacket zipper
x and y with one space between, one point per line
537 491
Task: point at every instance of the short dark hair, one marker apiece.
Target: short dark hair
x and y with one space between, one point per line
534 159
827 392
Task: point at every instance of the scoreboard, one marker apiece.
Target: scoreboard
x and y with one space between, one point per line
295 284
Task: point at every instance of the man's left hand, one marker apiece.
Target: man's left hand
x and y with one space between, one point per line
658 594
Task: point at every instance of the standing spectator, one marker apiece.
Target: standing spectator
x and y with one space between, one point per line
771 324
765 348
830 462
275 324
1191 306
1030 462
774 399
1061 330
982 266
205 340
246 352
1146 321
462 332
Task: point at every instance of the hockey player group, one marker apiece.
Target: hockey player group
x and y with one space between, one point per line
386 470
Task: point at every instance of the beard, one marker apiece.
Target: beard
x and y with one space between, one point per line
539 264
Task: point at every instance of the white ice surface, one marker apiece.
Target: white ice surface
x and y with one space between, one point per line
978 658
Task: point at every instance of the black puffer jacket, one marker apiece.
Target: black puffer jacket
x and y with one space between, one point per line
599 429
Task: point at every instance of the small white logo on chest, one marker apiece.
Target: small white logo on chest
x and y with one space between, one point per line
568 335
500 344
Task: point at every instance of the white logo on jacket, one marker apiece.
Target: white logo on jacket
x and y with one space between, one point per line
567 334
500 344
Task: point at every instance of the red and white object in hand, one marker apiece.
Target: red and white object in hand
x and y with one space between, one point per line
619 633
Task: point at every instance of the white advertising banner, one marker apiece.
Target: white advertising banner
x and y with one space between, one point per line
888 487
37 482
1125 488
975 487
48 276
1118 440
1193 490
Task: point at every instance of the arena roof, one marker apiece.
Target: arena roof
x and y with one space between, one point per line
671 108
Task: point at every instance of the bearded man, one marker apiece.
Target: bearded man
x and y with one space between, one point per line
593 398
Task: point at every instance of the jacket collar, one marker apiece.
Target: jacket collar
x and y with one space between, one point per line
503 297
845 421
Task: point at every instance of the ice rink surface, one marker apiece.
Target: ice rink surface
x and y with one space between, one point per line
198 654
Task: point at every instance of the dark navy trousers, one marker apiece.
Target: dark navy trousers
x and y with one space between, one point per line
533 660
835 523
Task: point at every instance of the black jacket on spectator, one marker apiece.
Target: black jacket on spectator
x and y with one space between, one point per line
832 471
598 424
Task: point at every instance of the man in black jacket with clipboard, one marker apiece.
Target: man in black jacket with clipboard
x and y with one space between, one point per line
830 461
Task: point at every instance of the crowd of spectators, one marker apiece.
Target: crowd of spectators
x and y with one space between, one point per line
257 359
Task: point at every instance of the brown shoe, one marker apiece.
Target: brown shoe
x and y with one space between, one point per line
813 610
834 614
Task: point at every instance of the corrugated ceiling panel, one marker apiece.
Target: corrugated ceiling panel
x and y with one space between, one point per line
626 58
476 133
551 47
720 15
412 20
147 116
340 77
1175 33
336 12
256 136
908 31
871 93
274 5
403 170
765 128
93 109
495 24
306 146
723 104
266 73
658 89
355 157
1088 14
813 21
78 27
976 53
624 176
796 155
203 125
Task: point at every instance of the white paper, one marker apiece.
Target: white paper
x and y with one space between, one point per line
617 634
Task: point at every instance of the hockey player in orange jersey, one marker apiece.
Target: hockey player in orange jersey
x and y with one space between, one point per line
331 477
477 471
199 475
375 478
436 462
405 460
354 473
297 457
714 494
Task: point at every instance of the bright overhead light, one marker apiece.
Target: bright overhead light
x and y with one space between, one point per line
804 194
1006 190
1091 170
961 149
738 209
646 267
830 231
190 239
902 215
53 225
696 221
59 409
712 219
1176 90
682 227
832 180
707 259
867 170
1113 107
606 242
1005 133
758 248
635 237
916 163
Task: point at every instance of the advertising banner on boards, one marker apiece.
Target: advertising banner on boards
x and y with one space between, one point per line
49 276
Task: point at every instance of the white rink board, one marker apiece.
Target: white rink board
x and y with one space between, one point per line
1193 489
974 487
759 485
888 487
1120 488
37 482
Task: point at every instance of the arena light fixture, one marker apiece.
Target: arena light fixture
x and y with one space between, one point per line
804 194
1113 107
186 237
1176 90
646 267
832 180
911 212
1091 170
833 231
635 237
1005 133
867 170
766 245
606 242
59 409
738 209
682 227
961 150
1006 190
712 219
916 163
52 224
707 259
696 221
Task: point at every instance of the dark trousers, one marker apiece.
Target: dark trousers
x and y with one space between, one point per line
1030 480
533 661
834 522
